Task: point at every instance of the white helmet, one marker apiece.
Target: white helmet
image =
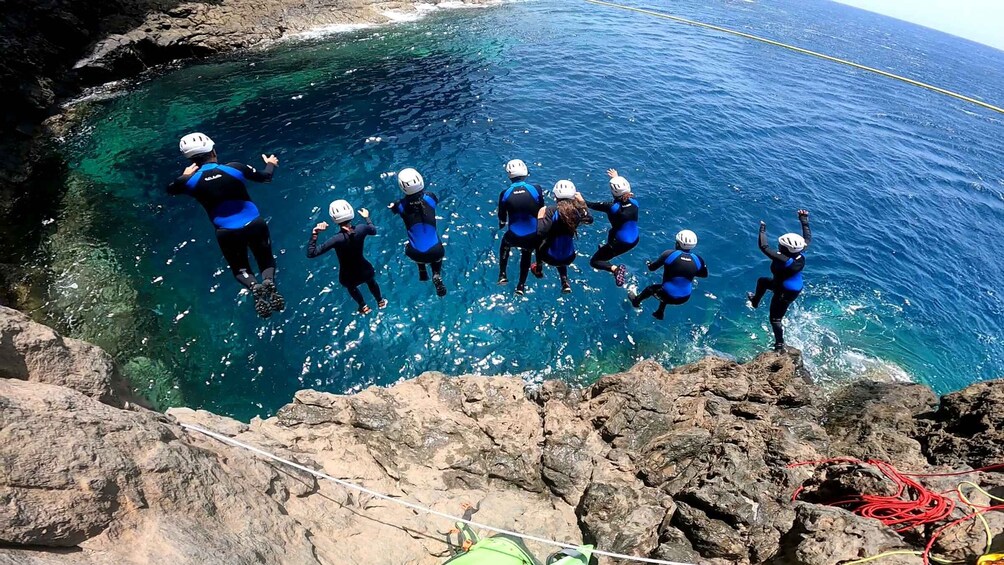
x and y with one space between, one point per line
516 168
341 211
792 242
410 181
195 144
564 189
686 240
619 186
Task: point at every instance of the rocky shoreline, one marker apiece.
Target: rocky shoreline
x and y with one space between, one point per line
689 464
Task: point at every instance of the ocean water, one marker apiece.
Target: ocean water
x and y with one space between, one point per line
906 189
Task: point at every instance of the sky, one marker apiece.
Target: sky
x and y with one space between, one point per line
977 20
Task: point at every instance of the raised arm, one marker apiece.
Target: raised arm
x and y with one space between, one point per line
803 218
584 216
253 174
703 273
313 250
765 246
369 228
178 185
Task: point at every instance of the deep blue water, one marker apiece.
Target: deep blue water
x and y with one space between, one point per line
906 189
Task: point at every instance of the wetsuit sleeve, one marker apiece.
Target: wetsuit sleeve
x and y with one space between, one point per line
503 214
254 174
433 197
544 224
313 250
600 206
806 232
703 273
369 228
659 261
765 246
396 208
177 186
585 217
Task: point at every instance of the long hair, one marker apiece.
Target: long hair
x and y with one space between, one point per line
570 214
625 197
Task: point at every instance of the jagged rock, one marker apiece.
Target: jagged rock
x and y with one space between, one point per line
873 420
34 352
968 427
689 465
825 536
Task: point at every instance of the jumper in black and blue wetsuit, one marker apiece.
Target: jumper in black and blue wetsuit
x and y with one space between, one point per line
239 226
623 235
518 207
557 246
424 247
679 269
353 268
786 281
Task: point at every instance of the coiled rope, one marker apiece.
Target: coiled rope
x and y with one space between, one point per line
233 442
801 50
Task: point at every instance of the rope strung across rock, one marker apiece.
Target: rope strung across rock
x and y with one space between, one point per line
233 442
803 51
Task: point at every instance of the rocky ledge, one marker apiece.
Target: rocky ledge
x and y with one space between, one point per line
690 464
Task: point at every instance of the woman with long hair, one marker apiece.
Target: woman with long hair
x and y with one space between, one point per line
558 226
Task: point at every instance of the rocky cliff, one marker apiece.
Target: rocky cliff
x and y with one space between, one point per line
686 465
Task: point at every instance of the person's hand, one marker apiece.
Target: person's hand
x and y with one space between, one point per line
270 160
763 225
391 205
578 196
191 169
541 213
364 213
803 213
320 227
612 173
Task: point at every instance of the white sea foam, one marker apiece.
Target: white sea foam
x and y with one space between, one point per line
418 11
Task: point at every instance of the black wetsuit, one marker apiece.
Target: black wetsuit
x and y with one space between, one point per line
785 284
353 268
239 227
679 268
623 235
557 246
424 247
518 207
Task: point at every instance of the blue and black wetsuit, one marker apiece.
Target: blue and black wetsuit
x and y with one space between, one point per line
424 247
222 192
785 283
679 269
557 246
518 207
623 235
353 268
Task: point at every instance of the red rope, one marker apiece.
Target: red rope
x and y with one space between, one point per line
912 506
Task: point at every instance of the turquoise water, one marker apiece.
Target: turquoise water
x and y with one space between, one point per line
714 132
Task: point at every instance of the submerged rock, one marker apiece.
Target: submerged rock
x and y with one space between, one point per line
690 465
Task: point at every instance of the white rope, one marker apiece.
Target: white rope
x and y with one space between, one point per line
413 506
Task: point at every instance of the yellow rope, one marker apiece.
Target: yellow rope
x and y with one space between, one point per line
803 51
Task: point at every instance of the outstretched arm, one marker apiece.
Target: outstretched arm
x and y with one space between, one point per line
253 174
803 218
369 228
503 213
659 261
703 273
584 216
543 221
600 206
765 246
